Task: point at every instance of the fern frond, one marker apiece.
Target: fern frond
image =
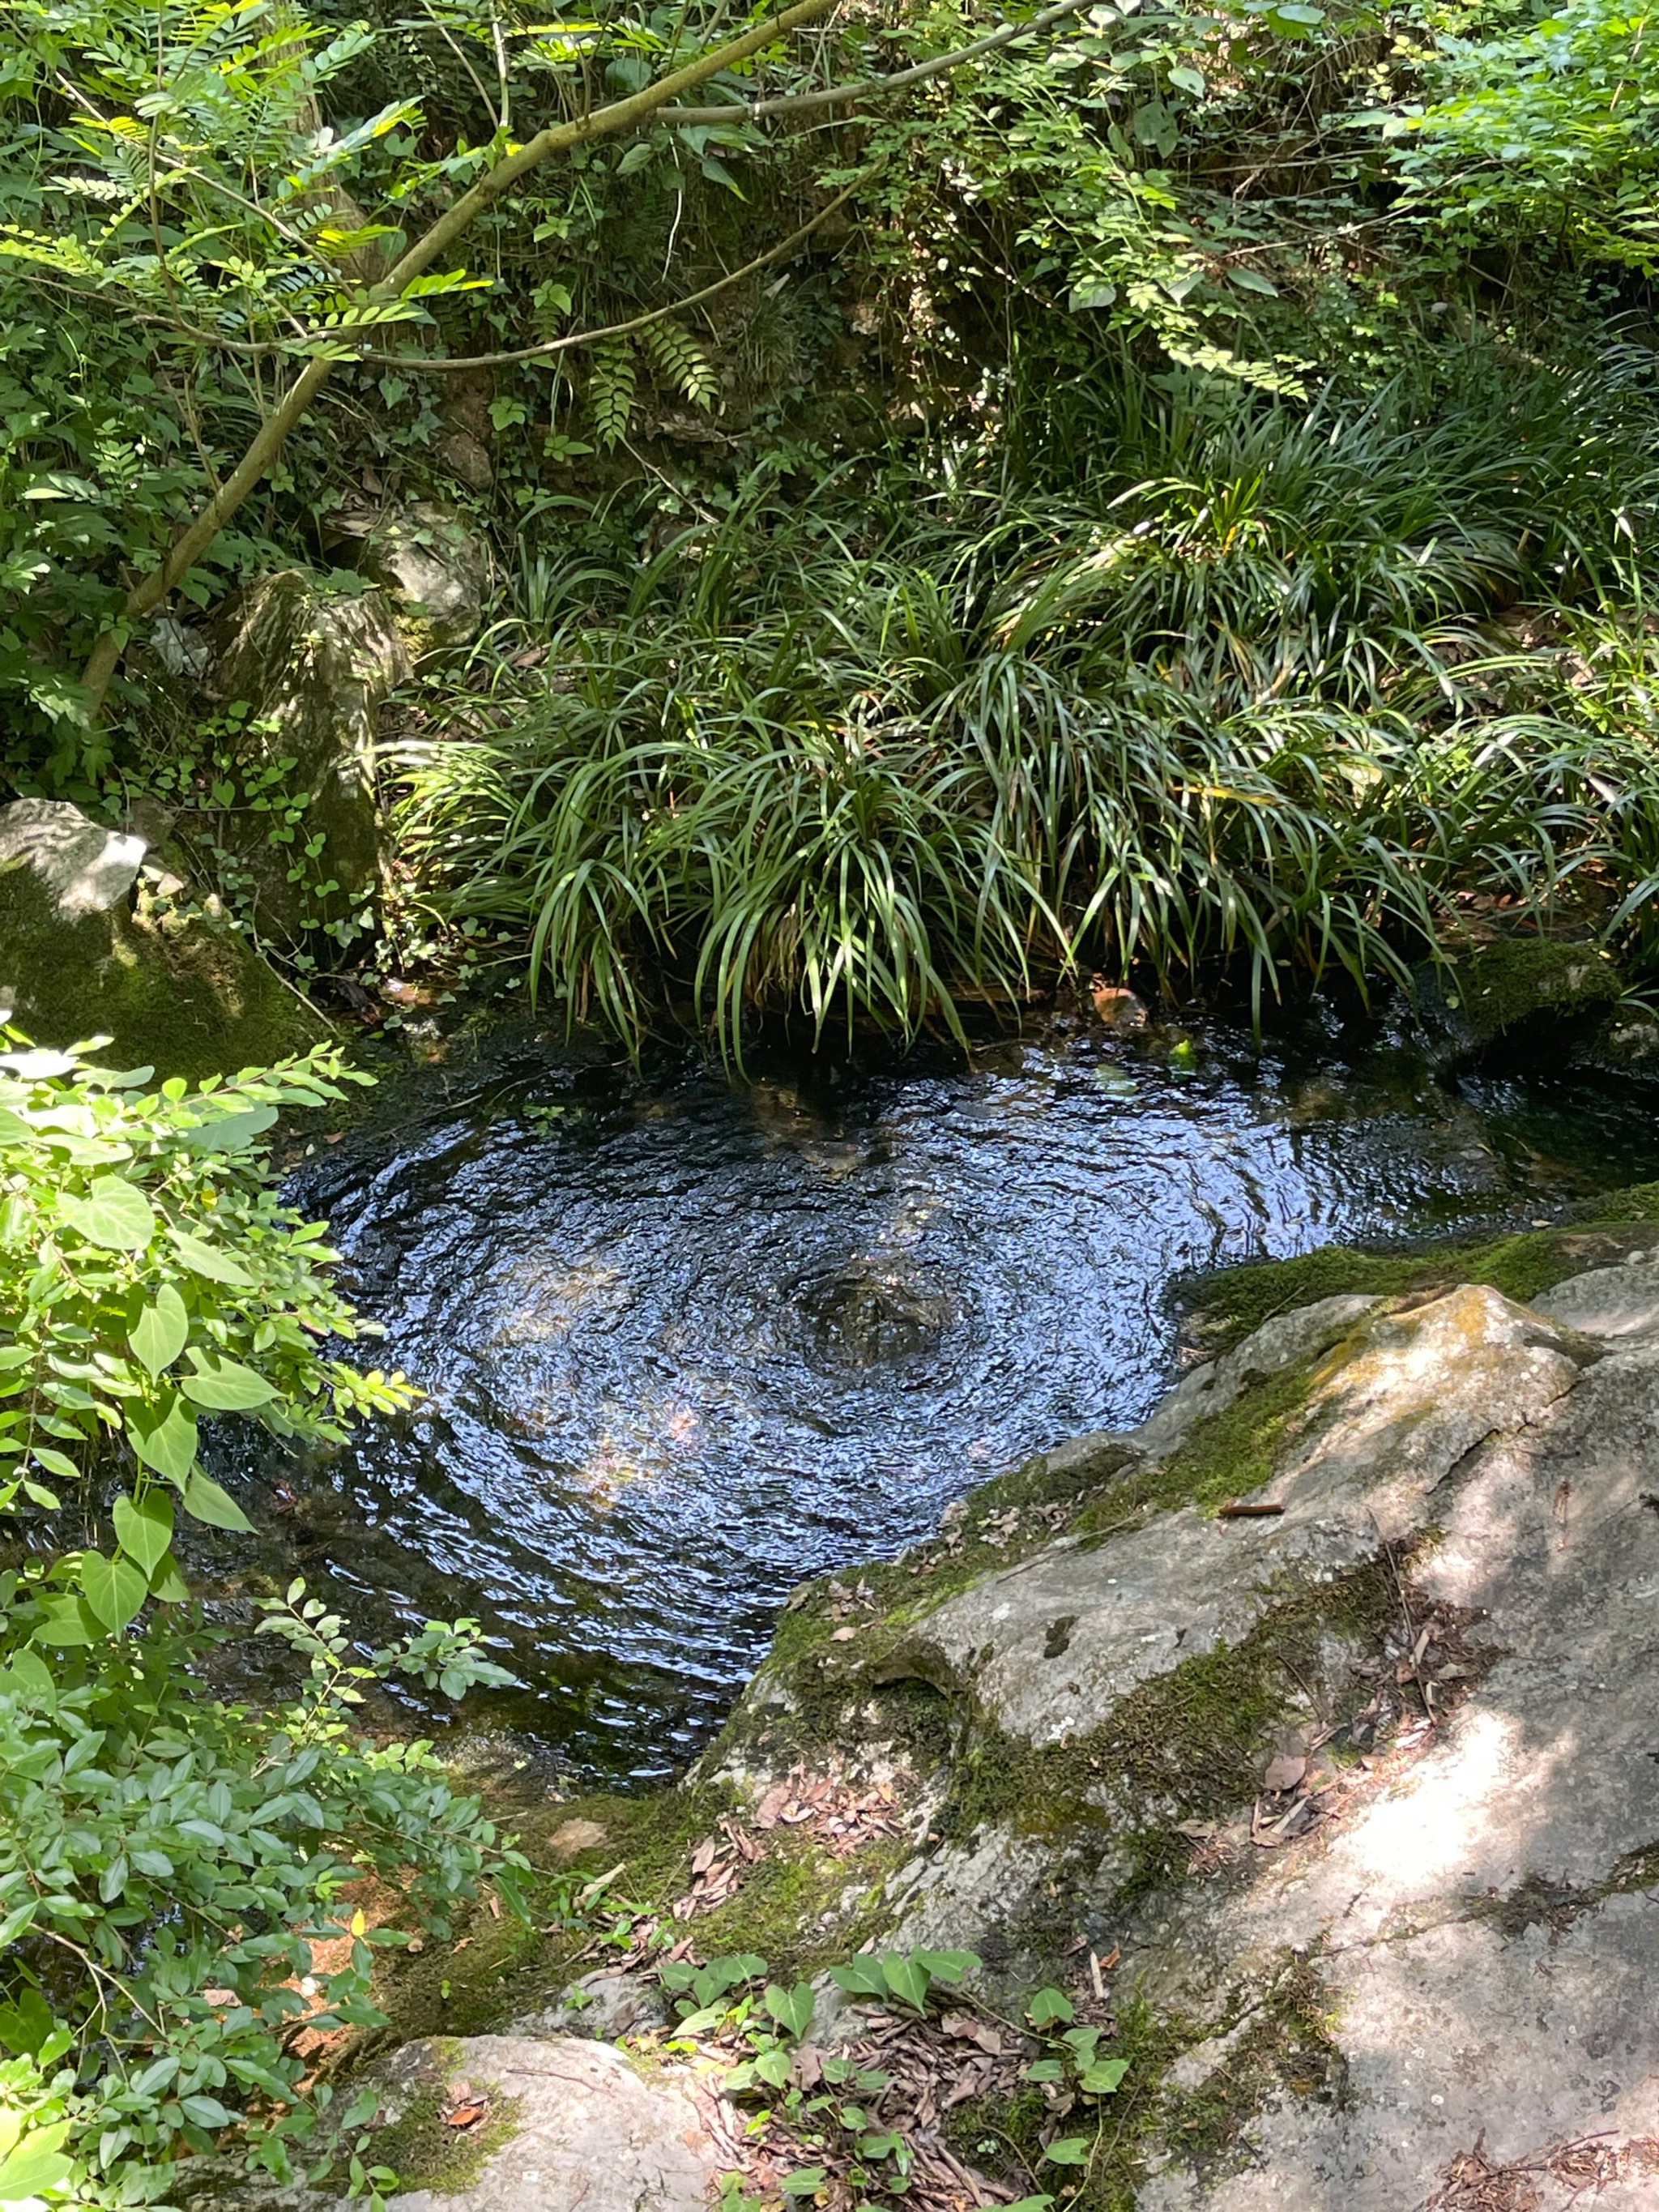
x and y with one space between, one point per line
612 380
685 361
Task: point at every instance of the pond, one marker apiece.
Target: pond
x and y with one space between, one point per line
686 1340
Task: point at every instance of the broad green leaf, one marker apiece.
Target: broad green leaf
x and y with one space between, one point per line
168 1445
1070 2150
144 1527
791 2008
112 1215
29 1677
805 2181
906 1977
1101 2079
231 1131
1047 2006
114 1588
948 1966
207 1260
68 1621
205 1501
13 1129
228 1387
56 1462
861 1978
158 1336
167 1584
36 2165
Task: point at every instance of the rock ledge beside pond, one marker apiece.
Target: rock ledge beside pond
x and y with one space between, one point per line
1338 1813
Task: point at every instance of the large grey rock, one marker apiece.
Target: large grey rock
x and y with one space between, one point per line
568 2126
1609 1303
312 669
1044 1650
437 571
589 2132
98 939
1486 1921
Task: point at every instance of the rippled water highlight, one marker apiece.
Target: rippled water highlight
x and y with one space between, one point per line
686 1341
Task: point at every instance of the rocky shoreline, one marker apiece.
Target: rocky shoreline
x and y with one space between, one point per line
1301 1740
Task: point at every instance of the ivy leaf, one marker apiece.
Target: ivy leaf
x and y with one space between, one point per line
1070 2150
114 1588
112 1215
168 1445
806 2181
791 2008
144 1526
204 1500
228 1387
158 1336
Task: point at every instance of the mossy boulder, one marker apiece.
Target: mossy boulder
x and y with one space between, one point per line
98 939
436 571
1489 991
303 671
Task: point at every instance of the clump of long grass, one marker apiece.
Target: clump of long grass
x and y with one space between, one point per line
1210 705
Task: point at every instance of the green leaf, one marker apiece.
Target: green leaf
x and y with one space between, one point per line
861 1978
1045 2070
948 1966
158 1336
28 1676
1047 2006
791 2008
1188 80
167 1584
1070 2150
36 2165
168 1444
68 1621
114 1588
1250 280
906 1977
206 1259
1101 2079
205 1501
226 1387
231 1131
112 1215
805 2181
56 1462
144 1527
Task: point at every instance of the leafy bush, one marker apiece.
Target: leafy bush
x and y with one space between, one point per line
168 1862
1208 710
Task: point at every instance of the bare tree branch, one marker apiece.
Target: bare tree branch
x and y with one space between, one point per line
436 364
796 103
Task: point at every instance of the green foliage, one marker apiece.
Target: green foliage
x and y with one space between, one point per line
168 1862
1206 706
167 1865
150 1275
1546 125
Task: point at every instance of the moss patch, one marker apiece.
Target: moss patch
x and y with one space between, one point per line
1186 1746
1223 1309
425 2153
1494 987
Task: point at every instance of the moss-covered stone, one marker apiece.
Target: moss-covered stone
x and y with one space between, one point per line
173 984
1489 989
1221 1310
424 2152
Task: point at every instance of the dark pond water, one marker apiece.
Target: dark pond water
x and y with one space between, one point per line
686 1341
